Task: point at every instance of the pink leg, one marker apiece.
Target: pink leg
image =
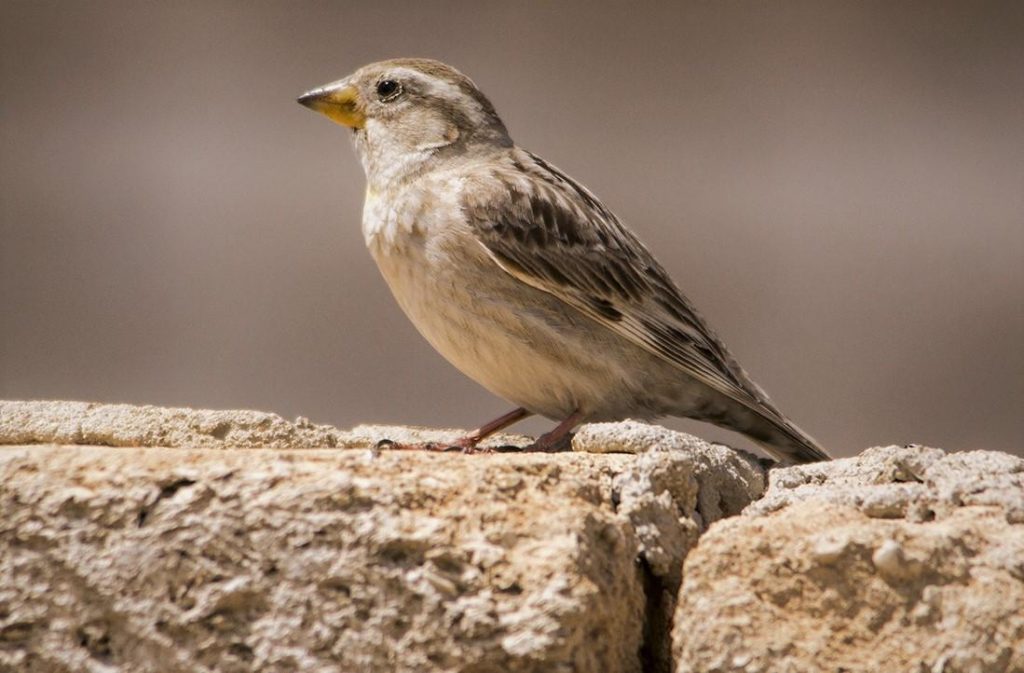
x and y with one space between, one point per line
560 438
500 423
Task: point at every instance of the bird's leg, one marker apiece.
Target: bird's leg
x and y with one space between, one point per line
468 443
559 439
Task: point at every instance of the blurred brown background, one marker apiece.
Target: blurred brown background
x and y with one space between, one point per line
838 186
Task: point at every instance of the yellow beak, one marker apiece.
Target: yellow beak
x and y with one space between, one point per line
338 101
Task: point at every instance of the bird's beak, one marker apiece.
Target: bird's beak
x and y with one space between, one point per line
338 101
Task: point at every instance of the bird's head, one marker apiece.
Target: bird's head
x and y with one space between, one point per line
406 111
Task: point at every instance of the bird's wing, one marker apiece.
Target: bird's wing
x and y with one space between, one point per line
551 233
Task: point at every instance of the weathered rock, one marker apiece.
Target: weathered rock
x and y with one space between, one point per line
902 559
124 425
717 471
915 482
707 487
155 559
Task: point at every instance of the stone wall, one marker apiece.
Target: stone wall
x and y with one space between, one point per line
149 539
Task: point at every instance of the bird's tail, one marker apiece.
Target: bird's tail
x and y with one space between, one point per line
786 442
775 433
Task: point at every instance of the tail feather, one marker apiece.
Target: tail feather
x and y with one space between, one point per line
775 433
786 442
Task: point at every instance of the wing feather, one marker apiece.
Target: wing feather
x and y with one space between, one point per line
552 234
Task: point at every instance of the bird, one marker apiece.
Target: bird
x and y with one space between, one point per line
522 278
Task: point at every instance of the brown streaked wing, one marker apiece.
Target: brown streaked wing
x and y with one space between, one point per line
554 235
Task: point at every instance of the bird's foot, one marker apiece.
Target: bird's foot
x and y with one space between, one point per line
559 439
549 443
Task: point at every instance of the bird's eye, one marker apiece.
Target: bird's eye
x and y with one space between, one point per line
387 89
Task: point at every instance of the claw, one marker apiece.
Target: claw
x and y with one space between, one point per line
559 445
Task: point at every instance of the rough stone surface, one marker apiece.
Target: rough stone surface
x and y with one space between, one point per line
124 425
915 482
716 470
902 559
229 559
259 544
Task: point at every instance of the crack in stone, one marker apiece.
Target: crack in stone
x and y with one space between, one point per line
656 646
166 491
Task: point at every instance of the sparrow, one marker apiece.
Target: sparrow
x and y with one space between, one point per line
521 278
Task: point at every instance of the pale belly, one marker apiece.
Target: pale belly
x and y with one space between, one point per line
517 342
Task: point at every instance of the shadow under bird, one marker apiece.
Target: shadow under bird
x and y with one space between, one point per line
522 278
